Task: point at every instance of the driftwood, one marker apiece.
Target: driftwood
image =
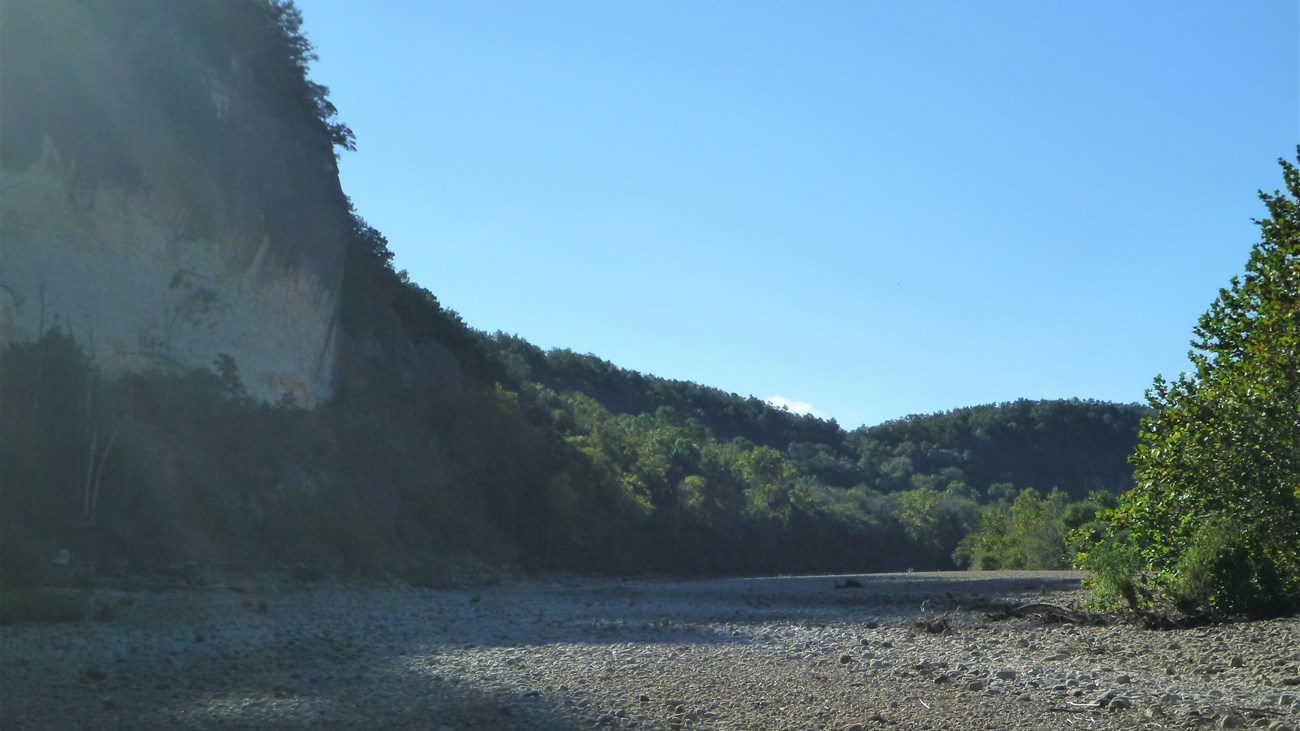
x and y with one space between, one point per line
1047 613
1162 621
936 624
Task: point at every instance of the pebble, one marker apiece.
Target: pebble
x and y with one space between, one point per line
606 649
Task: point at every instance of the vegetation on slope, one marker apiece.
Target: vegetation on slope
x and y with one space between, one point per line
443 442
431 450
910 489
1078 446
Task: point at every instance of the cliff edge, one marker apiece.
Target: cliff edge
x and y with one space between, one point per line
168 189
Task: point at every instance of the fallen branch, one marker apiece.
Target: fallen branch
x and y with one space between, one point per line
1047 613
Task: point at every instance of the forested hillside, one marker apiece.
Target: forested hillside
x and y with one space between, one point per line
439 447
443 444
1077 446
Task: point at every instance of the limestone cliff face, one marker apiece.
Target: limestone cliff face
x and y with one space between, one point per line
117 274
168 195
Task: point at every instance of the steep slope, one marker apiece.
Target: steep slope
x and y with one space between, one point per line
175 253
169 192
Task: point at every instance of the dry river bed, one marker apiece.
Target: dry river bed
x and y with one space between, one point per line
772 653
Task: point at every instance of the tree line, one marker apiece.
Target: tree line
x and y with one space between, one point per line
445 444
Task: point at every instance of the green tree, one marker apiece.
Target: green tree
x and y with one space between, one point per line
1214 518
767 478
1038 528
933 524
1030 533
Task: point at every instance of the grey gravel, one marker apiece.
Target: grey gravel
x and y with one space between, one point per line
777 653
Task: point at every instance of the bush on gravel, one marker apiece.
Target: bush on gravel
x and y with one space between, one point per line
1223 570
1215 513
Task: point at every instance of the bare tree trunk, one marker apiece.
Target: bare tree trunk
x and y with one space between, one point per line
99 473
86 515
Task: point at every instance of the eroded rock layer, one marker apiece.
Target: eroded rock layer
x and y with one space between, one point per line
168 192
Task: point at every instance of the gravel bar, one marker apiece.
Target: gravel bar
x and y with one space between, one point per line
765 653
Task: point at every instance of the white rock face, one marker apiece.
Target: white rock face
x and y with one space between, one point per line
114 271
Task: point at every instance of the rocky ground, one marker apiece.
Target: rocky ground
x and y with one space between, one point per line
776 653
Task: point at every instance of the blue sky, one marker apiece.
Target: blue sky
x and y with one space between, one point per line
872 208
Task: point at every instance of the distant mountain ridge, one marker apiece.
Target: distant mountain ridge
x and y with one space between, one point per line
1076 445
624 391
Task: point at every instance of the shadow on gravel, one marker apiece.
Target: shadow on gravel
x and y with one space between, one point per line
400 698
301 681
459 659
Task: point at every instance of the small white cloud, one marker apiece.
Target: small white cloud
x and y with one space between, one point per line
795 407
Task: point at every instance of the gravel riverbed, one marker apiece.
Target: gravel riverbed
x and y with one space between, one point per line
769 653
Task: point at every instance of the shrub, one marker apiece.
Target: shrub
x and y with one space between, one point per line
1227 567
1116 567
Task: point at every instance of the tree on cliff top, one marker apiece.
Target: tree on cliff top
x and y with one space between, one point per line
285 20
1214 519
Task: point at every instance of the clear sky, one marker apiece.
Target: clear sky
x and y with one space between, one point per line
873 208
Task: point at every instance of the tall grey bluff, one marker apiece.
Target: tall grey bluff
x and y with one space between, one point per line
168 196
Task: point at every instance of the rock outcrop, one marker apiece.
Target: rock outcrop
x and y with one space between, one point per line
168 191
